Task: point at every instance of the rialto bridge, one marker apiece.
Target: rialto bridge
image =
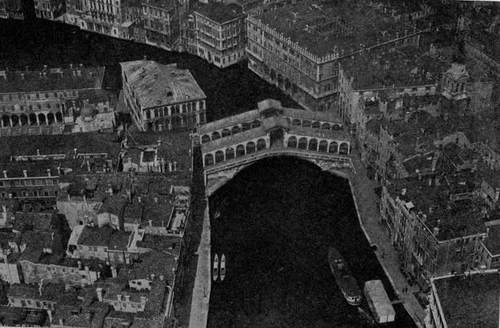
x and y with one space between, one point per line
233 143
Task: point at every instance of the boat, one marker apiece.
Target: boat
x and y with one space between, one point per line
222 267
346 282
215 272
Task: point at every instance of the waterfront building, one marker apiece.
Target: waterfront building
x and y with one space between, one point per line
469 299
161 23
434 232
298 46
11 9
162 97
220 33
49 9
34 102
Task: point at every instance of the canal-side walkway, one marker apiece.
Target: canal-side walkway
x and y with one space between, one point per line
202 284
369 214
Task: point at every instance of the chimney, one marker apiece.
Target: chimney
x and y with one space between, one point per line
61 322
152 277
127 298
119 297
48 173
143 300
156 199
175 166
98 290
79 265
139 199
169 166
113 271
87 268
71 66
25 173
162 277
5 173
150 223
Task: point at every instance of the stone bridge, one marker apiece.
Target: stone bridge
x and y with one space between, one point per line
235 142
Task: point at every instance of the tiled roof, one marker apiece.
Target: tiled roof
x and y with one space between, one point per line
104 236
155 84
153 262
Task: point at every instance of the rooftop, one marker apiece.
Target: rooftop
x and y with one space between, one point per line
153 262
104 236
155 84
324 27
77 77
444 218
470 301
407 66
219 12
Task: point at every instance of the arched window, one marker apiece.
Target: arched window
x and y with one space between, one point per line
24 119
229 153
245 126
205 138
250 147
292 142
306 124
219 156
296 122
59 117
41 118
15 120
261 144
32 118
209 159
240 151
215 135
344 148
303 143
333 147
5 121
226 133
316 125
325 126
323 146
50 118
313 144
235 129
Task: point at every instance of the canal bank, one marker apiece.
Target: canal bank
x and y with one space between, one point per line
368 214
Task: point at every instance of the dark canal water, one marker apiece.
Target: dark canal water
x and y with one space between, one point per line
278 218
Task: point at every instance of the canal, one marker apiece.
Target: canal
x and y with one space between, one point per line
277 219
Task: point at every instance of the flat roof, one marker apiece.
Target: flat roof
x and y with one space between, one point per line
322 26
470 300
155 84
51 79
218 11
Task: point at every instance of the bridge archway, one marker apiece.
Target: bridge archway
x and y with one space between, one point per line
230 153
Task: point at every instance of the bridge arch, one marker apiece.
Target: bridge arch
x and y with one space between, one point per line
41 118
32 119
292 142
261 144
225 133
333 148
219 156
313 144
325 126
250 147
205 138
302 143
323 146
215 135
23 119
209 159
15 120
344 148
306 123
240 150
230 153
235 129
316 125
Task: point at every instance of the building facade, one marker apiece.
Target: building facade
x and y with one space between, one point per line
220 33
161 23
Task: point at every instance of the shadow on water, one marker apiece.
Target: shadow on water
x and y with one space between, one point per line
277 219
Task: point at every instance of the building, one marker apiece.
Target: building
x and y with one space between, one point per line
161 23
433 232
162 97
465 300
11 9
298 45
34 102
220 33
49 9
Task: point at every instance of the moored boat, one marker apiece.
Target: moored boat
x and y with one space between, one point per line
346 282
222 267
215 271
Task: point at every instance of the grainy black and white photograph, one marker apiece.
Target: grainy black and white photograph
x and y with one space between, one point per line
250 163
